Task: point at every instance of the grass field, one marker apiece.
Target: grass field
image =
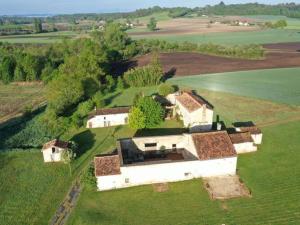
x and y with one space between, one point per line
234 38
13 98
278 85
42 38
270 174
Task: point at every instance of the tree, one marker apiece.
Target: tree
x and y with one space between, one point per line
152 110
7 68
110 83
165 89
38 27
120 84
19 74
64 92
136 118
98 100
67 157
152 25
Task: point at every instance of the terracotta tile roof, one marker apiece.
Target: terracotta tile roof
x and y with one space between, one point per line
240 137
55 143
251 129
109 111
213 145
191 102
107 165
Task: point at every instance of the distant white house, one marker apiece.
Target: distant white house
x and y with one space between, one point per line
255 132
195 112
243 142
52 150
147 160
108 117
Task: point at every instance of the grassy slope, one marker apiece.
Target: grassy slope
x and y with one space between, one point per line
29 189
233 38
13 98
278 85
271 174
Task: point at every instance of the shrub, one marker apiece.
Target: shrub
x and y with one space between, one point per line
120 84
149 75
136 118
98 100
165 89
89 178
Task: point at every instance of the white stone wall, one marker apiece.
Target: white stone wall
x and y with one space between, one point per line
52 157
134 175
257 138
163 142
107 120
200 120
245 147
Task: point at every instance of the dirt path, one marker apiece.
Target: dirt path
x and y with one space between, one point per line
277 122
67 205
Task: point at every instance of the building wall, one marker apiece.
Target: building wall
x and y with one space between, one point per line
134 175
163 142
245 147
52 157
201 119
111 120
257 138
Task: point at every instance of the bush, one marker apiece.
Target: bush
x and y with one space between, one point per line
89 178
120 84
165 89
98 100
149 75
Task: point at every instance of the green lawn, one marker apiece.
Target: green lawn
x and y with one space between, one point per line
234 38
278 85
271 174
30 190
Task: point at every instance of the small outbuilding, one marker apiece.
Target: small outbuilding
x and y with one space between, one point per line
108 117
243 142
52 150
255 132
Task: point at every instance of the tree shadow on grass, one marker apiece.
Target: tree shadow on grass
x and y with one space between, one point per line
85 141
110 99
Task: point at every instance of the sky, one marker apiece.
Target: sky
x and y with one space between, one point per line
25 7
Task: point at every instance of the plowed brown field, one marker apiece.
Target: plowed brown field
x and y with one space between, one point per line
181 64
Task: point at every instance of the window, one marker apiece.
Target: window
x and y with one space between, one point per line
104 118
53 150
126 180
148 145
174 146
187 174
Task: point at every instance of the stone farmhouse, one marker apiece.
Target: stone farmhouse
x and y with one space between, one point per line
148 160
196 113
52 150
108 117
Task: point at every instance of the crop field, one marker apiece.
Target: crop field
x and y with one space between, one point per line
278 85
14 98
181 26
43 38
284 55
293 23
270 174
234 38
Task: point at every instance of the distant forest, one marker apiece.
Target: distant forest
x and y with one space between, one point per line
289 9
